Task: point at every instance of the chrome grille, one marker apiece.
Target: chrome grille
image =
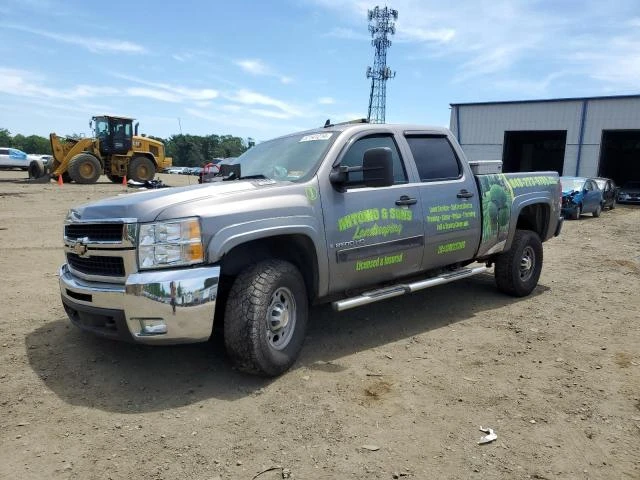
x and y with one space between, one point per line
101 266
95 232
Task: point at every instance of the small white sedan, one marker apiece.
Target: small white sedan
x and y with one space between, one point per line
13 158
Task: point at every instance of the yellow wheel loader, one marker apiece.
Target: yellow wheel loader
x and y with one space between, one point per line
116 151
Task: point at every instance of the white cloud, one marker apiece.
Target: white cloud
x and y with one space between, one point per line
21 83
167 92
259 68
326 101
248 97
96 45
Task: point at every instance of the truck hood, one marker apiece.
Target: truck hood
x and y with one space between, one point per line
147 206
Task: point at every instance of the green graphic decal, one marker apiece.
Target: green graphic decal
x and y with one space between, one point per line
451 217
379 262
376 230
361 220
311 193
451 247
497 198
537 181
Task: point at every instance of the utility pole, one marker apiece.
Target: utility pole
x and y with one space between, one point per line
381 24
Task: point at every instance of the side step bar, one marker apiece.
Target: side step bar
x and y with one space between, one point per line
401 289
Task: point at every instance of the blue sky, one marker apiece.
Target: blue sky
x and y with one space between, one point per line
262 69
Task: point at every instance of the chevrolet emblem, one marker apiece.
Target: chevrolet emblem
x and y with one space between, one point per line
79 248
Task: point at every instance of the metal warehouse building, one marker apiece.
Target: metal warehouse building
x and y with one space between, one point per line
596 136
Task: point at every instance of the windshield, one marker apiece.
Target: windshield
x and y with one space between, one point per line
290 158
571 183
101 127
601 183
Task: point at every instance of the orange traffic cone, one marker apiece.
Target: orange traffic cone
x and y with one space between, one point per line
60 182
124 181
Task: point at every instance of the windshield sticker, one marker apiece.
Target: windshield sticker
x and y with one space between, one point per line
315 136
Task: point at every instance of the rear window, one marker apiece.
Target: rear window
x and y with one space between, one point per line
434 157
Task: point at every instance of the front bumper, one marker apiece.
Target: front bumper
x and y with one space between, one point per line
155 307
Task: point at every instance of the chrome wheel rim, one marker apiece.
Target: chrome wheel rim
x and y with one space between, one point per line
281 318
527 263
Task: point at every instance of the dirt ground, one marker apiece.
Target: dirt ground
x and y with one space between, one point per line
396 389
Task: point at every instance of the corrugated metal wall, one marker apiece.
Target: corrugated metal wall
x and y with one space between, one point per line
482 127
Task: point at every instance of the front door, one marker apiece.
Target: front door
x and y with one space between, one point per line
373 234
450 202
592 196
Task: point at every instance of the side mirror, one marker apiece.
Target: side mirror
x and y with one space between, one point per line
377 167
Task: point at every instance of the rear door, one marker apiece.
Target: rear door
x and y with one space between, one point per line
4 157
449 199
373 234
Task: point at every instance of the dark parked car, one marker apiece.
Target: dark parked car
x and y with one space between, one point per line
629 193
609 191
580 195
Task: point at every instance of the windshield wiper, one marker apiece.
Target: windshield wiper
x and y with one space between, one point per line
252 177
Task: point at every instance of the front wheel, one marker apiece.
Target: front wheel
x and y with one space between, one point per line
575 215
141 169
266 318
597 211
517 270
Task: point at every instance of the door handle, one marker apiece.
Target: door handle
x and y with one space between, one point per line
464 194
405 200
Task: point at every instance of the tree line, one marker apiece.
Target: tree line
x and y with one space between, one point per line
186 150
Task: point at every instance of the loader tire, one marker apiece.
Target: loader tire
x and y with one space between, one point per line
36 169
141 169
84 168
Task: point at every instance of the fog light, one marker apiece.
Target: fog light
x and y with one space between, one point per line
152 326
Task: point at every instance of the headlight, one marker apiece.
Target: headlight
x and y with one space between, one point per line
169 244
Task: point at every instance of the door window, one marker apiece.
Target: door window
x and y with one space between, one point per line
434 157
355 154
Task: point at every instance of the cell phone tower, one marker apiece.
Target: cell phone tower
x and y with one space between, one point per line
381 24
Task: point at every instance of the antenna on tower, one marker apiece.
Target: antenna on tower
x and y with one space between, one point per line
381 24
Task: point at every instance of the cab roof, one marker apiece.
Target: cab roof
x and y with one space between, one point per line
113 116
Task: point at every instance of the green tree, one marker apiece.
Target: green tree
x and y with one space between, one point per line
6 140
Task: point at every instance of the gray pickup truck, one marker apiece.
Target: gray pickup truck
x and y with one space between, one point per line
350 214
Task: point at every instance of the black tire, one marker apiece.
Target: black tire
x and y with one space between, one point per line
36 169
613 204
517 270
66 178
575 214
84 168
141 169
597 211
251 336
115 178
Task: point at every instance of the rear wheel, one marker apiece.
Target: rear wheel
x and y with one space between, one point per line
141 169
84 168
266 317
613 204
36 169
517 270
